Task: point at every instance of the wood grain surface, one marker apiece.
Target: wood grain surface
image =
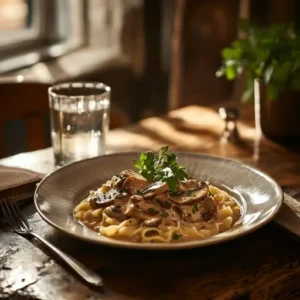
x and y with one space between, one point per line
262 265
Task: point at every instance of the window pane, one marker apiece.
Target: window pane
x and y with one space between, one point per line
14 14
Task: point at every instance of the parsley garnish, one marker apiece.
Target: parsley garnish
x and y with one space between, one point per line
190 194
162 167
196 208
176 236
167 204
185 215
164 214
176 193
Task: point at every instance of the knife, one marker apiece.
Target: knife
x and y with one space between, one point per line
289 215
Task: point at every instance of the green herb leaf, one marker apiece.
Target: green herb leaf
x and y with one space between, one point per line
176 236
185 215
167 204
162 167
145 165
164 214
269 54
195 207
273 92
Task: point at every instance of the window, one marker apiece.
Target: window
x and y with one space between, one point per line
31 30
13 15
20 23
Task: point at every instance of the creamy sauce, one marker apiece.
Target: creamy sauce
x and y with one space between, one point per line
129 208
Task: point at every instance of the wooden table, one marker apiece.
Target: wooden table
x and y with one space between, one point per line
262 265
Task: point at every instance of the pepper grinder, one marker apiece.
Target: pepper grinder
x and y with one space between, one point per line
230 133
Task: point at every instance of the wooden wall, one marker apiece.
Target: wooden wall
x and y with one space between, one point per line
169 50
202 29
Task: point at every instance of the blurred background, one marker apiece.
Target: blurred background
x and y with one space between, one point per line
156 55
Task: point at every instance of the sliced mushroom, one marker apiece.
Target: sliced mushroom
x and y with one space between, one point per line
134 211
92 201
136 199
140 209
150 207
154 189
203 210
208 208
121 199
115 212
133 184
100 199
130 208
118 183
191 213
133 203
171 216
192 196
168 222
152 222
175 212
163 200
187 185
118 180
127 173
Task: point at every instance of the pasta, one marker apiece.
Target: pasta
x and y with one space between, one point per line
128 207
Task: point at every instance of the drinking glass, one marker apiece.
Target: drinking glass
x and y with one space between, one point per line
79 114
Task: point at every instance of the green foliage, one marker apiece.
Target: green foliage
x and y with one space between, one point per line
146 165
162 167
268 54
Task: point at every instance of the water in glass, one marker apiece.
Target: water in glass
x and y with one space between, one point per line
78 129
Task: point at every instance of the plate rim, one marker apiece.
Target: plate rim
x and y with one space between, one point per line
162 246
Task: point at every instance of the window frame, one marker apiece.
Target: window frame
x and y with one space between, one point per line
49 36
25 36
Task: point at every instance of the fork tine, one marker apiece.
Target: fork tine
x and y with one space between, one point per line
19 218
19 213
12 213
3 209
7 214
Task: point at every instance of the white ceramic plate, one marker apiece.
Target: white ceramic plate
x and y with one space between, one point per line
56 196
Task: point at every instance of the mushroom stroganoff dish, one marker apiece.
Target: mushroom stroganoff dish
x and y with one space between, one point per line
157 203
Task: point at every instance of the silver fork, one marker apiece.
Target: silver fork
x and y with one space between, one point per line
20 225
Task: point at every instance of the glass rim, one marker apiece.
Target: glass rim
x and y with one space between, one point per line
79 84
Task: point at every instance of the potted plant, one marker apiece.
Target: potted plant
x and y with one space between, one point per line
270 58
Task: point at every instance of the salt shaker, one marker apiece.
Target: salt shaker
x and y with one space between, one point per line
230 116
